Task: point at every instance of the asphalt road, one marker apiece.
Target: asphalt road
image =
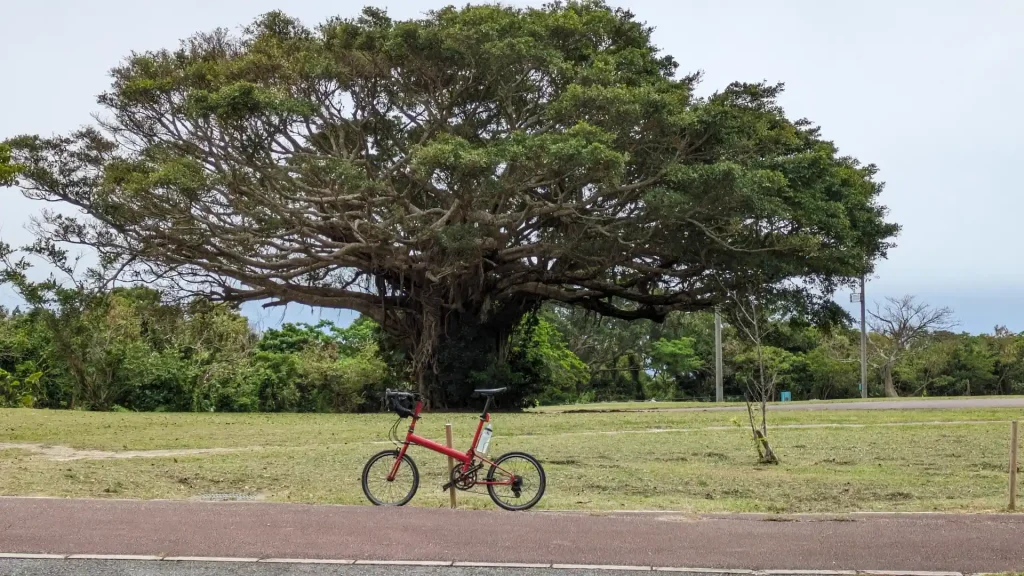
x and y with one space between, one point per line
938 404
963 543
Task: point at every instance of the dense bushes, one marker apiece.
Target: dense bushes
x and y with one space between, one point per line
129 349
675 360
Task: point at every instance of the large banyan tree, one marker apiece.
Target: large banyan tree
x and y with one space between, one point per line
454 171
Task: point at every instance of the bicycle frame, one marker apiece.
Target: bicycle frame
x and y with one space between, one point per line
465 458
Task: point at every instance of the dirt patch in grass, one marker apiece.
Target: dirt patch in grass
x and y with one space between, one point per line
65 453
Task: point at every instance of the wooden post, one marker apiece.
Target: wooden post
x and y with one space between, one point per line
1014 450
451 461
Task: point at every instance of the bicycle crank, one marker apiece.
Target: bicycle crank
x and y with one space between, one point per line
462 481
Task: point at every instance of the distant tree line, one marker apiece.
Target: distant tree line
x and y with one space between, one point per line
131 349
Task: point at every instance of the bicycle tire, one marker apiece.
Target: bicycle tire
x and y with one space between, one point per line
375 499
541 480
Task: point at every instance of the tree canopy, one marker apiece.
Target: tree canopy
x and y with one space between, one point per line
455 170
8 171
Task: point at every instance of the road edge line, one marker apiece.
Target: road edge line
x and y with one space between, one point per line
210 559
470 564
136 557
435 563
500 565
305 561
702 570
602 567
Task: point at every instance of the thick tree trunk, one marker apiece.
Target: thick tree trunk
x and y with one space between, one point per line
421 385
890 387
451 346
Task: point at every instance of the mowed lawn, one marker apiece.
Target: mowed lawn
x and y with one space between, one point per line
898 460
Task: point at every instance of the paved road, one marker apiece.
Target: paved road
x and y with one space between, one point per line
938 404
964 543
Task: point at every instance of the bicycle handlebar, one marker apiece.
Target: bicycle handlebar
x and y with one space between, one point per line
389 393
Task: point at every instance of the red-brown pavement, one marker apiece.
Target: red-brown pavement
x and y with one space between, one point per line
964 543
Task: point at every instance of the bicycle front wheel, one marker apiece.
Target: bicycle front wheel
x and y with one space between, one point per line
519 481
396 492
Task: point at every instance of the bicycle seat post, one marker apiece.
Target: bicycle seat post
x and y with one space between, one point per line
488 393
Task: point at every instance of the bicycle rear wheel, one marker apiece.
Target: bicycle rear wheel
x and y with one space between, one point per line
525 481
383 492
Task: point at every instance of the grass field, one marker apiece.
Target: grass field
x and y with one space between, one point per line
899 460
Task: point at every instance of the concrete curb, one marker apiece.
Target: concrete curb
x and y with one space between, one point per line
113 557
443 564
303 561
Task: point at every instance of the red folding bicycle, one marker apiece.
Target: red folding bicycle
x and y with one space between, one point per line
515 481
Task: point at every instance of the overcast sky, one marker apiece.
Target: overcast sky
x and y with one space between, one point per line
930 91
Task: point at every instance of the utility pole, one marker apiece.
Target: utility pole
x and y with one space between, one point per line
719 386
863 342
